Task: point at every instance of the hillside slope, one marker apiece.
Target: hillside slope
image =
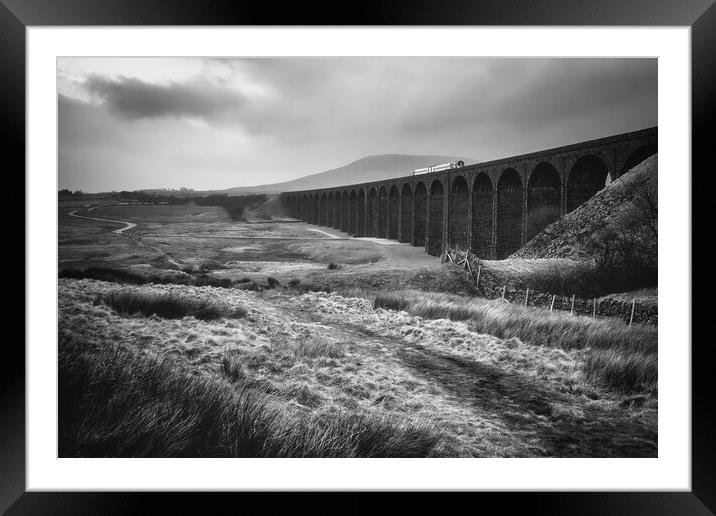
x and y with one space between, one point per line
370 168
611 208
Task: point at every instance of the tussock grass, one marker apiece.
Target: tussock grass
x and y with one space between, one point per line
622 369
307 285
302 394
248 285
168 306
534 325
206 280
317 348
123 276
619 355
233 368
390 301
117 403
559 329
105 274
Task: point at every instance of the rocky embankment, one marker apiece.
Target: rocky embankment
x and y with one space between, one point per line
566 237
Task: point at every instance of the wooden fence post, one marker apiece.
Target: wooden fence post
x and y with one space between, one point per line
594 308
571 311
552 305
503 293
631 317
479 269
527 295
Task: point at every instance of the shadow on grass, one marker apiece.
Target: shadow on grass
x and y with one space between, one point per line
525 406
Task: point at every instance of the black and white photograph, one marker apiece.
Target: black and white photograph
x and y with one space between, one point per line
410 248
385 251
357 257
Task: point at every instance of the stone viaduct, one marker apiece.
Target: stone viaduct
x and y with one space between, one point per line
493 208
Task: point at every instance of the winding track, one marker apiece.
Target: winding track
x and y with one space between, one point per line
120 231
127 225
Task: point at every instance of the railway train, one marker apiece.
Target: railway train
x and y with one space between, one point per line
437 168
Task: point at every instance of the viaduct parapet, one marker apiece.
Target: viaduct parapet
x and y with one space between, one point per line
493 208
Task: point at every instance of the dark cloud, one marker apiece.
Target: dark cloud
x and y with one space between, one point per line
132 98
216 103
526 94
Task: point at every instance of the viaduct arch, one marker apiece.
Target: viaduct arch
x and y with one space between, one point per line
407 210
493 208
393 212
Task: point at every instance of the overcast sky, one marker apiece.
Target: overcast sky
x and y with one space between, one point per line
131 123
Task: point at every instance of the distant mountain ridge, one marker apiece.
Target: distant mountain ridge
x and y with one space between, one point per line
370 168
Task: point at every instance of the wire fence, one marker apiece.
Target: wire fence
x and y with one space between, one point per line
629 311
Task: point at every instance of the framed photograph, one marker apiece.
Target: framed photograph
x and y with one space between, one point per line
414 250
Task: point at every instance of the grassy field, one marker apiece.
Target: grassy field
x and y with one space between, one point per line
105 406
185 334
203 239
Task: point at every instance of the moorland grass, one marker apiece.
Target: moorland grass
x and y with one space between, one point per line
114 275
272 282
627 370
234 368
127 277
207 280
619 355
346 252
168 306
114 402
316 348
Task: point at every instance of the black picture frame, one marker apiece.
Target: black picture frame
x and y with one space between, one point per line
17 15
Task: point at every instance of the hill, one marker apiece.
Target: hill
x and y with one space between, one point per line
370 168
621 207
